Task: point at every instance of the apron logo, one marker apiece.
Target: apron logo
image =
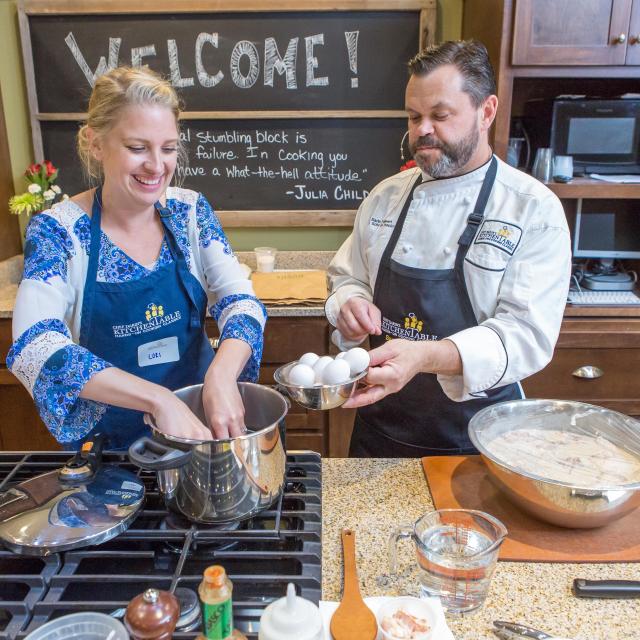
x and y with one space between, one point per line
499 234
155 317
153 311
410 329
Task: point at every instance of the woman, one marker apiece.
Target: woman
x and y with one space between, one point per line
110 312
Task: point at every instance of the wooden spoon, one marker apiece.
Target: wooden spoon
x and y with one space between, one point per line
352 619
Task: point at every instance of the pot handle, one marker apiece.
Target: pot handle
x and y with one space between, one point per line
147 453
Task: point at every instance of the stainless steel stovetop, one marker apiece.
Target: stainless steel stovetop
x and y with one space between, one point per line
160 549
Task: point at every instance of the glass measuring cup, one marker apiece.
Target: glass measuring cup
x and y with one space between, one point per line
457 551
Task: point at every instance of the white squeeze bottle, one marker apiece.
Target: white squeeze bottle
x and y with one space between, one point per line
291 618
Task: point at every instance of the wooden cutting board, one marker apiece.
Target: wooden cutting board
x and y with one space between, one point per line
462 482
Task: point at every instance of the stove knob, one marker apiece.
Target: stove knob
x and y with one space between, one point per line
152 615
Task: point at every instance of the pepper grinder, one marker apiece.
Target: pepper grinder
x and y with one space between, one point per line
152 615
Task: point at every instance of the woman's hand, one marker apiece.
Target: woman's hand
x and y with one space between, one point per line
174 418
223 405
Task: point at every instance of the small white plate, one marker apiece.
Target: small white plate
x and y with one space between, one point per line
440 632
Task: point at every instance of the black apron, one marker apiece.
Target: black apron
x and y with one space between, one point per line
424 304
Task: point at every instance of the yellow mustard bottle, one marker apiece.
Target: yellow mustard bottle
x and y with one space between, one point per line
215 593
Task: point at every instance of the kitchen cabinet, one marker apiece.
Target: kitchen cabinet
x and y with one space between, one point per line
611 347
576 32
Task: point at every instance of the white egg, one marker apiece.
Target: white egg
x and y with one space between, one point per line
302 375
309 358
336 372
319 366
341 355
358 360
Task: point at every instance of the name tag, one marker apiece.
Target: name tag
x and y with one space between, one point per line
158 352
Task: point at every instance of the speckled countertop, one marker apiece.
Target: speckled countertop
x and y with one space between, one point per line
11 272
374 496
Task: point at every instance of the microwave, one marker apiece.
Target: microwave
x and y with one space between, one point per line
602 135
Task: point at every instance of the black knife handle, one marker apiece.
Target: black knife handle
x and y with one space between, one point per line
606 588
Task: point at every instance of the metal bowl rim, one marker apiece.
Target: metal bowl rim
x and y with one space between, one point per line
279 378
532 476
247 436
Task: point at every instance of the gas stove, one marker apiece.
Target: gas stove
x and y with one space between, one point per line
163 550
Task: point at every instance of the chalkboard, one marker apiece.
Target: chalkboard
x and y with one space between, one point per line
291 61
262 164
290 106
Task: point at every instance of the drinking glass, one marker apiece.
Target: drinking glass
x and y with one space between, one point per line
457 551
514 151
563 168
543 164
265 258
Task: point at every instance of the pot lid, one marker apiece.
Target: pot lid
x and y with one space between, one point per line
69 508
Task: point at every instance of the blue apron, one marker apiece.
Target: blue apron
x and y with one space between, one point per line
152 327
423 304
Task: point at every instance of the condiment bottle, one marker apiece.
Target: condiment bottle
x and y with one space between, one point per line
152 615
215 593
291 618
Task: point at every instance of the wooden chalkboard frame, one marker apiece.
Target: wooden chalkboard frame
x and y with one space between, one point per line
253 218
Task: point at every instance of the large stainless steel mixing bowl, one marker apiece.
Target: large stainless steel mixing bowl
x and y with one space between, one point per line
561 503
320 396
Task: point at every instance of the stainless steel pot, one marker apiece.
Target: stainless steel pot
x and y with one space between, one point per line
220 480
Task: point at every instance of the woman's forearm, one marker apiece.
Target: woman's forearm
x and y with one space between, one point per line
230 359
121 389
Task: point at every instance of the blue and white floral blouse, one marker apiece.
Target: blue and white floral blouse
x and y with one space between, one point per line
46 356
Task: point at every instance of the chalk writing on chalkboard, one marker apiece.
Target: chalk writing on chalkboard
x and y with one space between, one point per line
344 60
262 164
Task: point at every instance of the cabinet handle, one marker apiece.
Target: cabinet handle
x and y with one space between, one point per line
588 371
621 39
634 39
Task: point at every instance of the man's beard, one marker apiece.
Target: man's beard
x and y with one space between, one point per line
453 156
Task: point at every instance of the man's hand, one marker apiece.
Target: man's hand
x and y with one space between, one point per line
397 362
358 318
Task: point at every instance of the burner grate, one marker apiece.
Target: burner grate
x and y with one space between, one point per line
265 553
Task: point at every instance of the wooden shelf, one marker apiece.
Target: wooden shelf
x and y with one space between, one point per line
572 311
589 188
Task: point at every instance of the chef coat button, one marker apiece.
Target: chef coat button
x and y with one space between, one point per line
406 248
467 200
447 251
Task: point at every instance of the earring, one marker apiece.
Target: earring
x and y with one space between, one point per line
404 137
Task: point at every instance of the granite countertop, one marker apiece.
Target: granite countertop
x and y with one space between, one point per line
374 496
11 272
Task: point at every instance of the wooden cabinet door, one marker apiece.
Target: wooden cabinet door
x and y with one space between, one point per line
633 48
571 32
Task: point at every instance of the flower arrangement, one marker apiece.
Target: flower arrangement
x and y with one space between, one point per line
41 192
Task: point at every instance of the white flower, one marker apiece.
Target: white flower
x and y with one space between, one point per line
34 188
49 195
65 196
56 189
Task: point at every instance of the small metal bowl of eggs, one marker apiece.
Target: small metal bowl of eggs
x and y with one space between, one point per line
323 382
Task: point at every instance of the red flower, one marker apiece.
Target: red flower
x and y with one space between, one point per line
32 170
50 168
408 165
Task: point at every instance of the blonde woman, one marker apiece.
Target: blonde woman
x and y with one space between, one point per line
110 314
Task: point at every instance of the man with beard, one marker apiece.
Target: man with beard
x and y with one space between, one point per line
457 270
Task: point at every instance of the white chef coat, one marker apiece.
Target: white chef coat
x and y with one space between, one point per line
517 269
